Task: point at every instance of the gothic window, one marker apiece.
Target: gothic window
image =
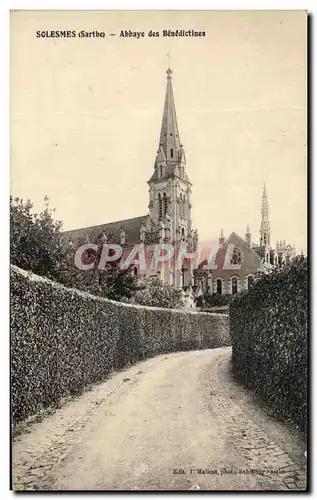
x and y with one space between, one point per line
236 257
164 204
219 286
160 206
183 276
250 281
172 153
161 171
182 206
234 285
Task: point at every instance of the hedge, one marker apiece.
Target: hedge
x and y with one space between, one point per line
63 340
268 327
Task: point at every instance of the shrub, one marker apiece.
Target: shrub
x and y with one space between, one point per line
154 293
268 326
210 300
63 340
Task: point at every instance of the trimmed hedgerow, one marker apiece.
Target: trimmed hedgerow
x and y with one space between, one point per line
268 327
63 340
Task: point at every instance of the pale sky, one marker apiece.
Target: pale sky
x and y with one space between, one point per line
86 116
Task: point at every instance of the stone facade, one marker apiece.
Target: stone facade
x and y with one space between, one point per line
169 222
169 217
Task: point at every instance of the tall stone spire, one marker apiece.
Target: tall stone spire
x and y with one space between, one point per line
265 229
169 136
170 200
170 158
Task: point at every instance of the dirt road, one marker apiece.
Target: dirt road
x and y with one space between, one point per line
175 422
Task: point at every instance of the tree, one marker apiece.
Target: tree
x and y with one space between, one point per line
36 241
119 284
38 244
210 300
155 293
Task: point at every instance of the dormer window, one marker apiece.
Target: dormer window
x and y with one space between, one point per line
172 153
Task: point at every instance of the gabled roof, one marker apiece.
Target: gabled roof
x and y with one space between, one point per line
221 253
112 230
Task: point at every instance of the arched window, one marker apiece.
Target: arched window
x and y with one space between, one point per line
219 286
164 204
160 206
250 281
236 257
172 153
234 285
181 203
183 207
161 170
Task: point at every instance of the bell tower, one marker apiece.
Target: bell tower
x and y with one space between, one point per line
169 186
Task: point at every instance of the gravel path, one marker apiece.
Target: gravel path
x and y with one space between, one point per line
174 422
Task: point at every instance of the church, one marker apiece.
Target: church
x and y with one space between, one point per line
169 222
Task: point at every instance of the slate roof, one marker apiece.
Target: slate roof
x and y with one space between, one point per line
260 250
112 230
